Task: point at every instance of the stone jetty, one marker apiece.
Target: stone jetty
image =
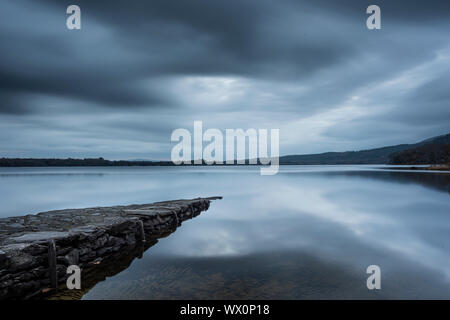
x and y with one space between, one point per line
35 250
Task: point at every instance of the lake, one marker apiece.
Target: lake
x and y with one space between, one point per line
309 232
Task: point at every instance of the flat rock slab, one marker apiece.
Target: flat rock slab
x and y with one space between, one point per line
53 224
39 236
35 250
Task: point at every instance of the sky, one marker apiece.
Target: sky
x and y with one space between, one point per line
137 70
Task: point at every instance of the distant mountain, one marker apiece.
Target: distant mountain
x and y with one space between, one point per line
372 156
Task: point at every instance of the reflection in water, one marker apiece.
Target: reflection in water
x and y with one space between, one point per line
109 267
308 232
436 180
256 276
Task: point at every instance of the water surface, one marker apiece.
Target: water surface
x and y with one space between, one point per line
308 232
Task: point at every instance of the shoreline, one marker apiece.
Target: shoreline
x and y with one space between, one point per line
435 167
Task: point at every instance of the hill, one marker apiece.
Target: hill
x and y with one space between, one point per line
371 156
425 154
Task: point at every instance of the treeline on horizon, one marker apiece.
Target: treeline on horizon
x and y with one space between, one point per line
69 162
93 162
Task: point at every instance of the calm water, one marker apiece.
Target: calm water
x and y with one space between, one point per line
308 232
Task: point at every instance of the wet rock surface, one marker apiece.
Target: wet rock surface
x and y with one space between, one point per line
35 250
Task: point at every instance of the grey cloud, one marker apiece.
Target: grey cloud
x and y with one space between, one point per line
428 106
118 77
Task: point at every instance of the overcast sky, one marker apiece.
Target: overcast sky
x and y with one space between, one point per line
137 70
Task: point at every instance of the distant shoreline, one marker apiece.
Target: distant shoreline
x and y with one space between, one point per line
433 151
434 167
69 162
100 162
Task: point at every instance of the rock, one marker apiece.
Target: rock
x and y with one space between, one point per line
80 237
104 251
35 249
39 236
84 251
2 258
21 262
16 226
73 257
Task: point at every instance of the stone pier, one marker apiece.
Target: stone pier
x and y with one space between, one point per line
35 250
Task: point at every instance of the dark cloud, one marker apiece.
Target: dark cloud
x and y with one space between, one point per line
158 38
394 11
427 105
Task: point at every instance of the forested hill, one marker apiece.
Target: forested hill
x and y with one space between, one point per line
425 154
372 156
